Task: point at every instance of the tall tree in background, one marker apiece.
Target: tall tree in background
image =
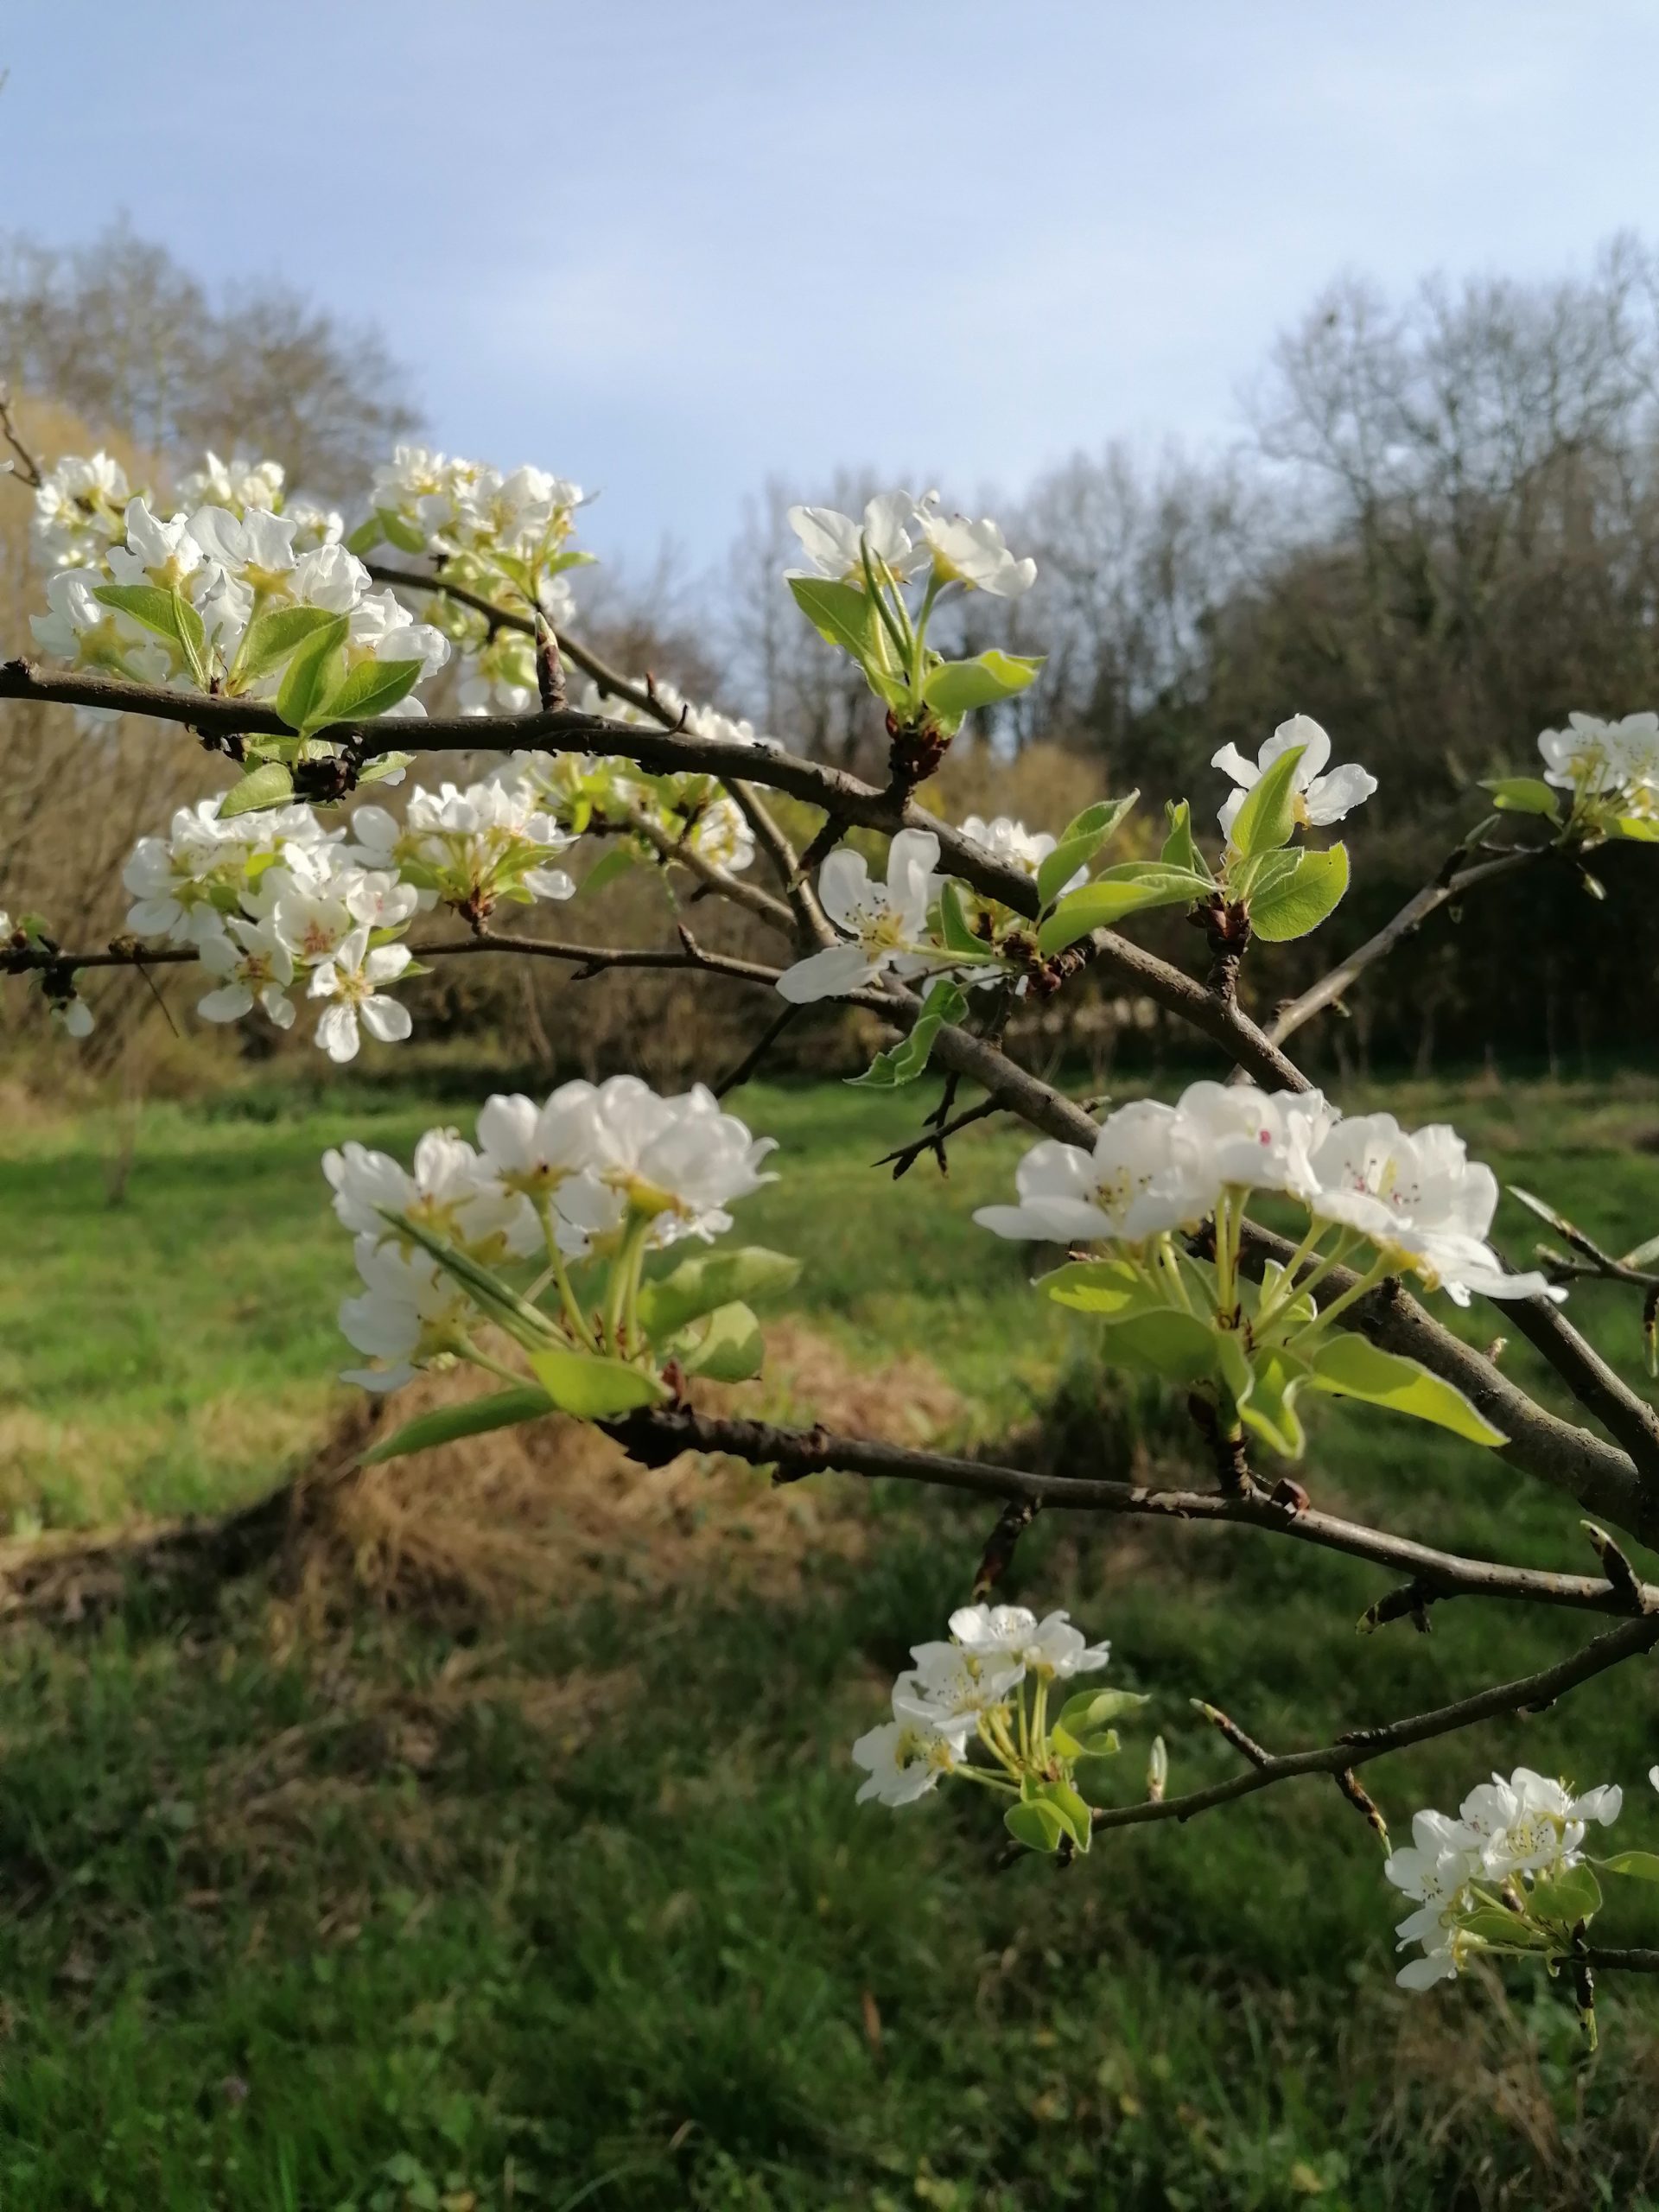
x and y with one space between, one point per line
119 333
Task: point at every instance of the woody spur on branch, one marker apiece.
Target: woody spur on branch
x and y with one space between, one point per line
1256 1247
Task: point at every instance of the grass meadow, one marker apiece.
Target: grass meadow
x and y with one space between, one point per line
500 1849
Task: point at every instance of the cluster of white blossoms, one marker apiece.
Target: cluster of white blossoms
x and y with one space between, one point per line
505 538
1324 795
903 537
1489 1881
1605 765
275 900
222 595
603 1172
897 926
1155 1170
989 1685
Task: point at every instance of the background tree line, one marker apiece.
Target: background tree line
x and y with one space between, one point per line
1438 534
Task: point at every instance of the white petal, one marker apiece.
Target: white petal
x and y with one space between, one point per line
828 974
337 1032
386 1019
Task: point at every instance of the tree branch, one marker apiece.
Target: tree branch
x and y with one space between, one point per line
656 1435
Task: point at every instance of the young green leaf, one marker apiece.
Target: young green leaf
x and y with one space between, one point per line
957 685
1082 838
953 926
157 610
1270 1410
1037 1825
728 1348
1267 818
1180 846
1573 1895
404 535
1349 1366
1121 891
1111 1288
1094 1709
274 635
312 672
526 1324
944 1003
700 1286
1640 829
269 785
1525 795
1643 1865
365 691
1300 901
593 1387
841 614
1178 1346
502 1409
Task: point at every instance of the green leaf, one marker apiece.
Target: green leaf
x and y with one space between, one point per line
1492 1924
1573 1895
526 1324
365 691
1270 1411
398 532
503 1409
1525 795
382 766
1233 1364
697 1287
843 613
1102 1746
1093 1709
1178 1346
593 1387
1082 838
730 1348
312 671
1061 1799
273 636
617 862
1113 1287
953 925
1036 1824
1267 818
1182 847
957 685
270 785
944 1003
1640 829
1300 901
1114 893
157 610
1349 1366
366 536
1644 1865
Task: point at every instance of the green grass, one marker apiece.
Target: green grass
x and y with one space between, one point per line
340 1918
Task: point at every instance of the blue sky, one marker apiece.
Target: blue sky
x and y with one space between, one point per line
669 247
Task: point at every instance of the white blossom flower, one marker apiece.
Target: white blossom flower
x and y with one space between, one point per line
1531 1824
1051 1648
485 843
1228 1133
720 833
678 1162
173 880
305 897
1321 798
350 977
1417 1194
238 484
257 968
451 1191
79 507
255 549
1436 1869
834 543
75 1017
886 925
1133 1185
410 1314
1015 845
974 554
376 896
950 1685
904 1759
156 552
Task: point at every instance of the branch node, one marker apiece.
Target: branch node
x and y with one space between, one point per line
1011 1524
1230 1728
1622 1577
